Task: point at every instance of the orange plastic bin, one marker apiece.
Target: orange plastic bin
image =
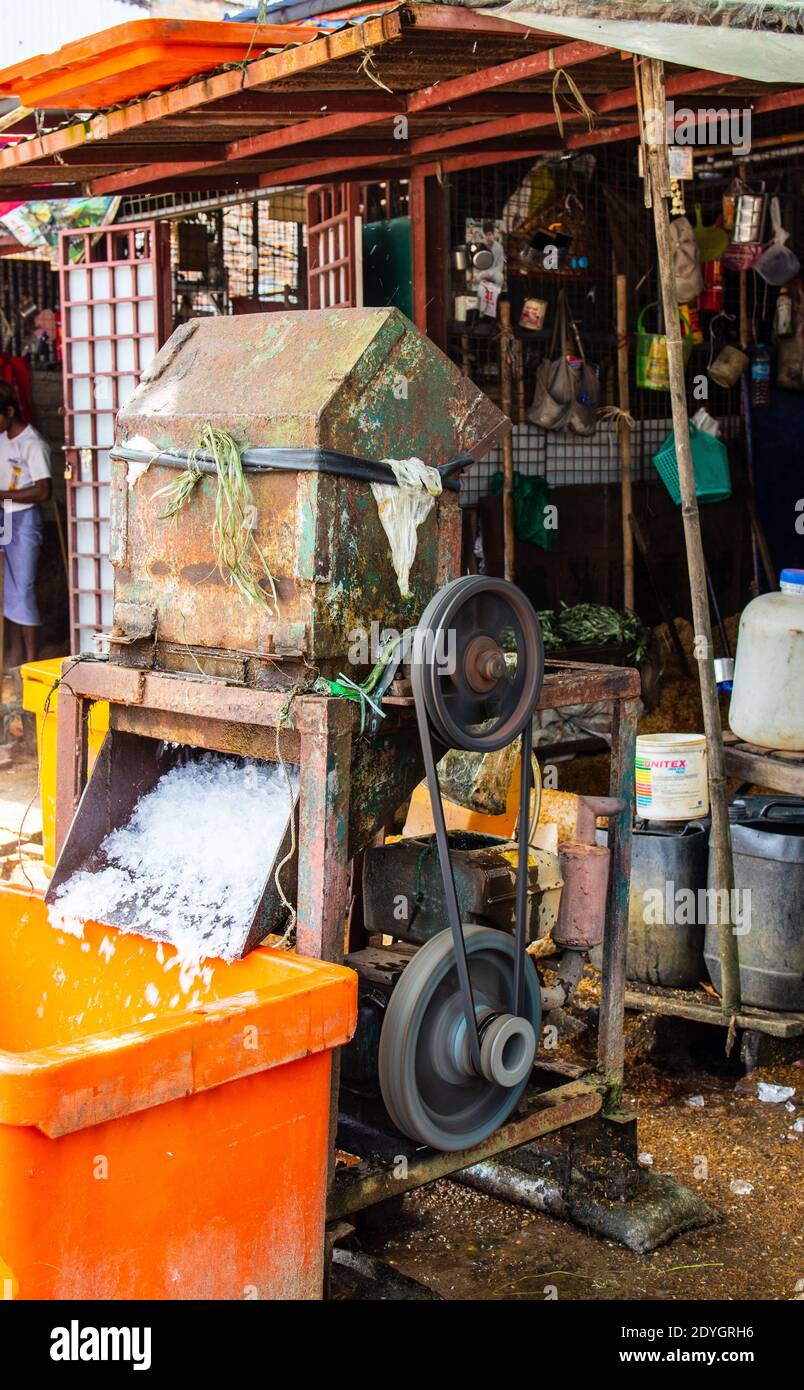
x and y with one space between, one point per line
163 1134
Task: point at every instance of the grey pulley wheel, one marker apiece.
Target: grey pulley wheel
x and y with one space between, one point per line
430 1088
479 666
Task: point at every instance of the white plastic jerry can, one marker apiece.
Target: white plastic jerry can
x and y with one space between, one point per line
767 702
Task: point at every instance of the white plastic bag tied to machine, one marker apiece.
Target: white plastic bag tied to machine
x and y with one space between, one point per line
135 470
403 508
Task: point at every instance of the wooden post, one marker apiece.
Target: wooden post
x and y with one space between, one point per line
508 444
745 335
624 441
325 729
324 726
656 166
429 255
611 1036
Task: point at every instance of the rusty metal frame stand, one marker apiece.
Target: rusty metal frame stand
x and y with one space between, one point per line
399 1165
317 732
697 1007
380 1175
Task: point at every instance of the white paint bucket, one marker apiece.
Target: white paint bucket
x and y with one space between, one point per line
671 779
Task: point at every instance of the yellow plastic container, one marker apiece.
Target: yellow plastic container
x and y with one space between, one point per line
38 681
161 1136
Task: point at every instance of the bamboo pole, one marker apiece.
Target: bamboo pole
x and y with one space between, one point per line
656 167
506 336
624 438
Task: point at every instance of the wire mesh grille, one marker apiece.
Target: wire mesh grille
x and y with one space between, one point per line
27 289
225 259
598 198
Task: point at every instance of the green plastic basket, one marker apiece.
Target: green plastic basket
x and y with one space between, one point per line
710 464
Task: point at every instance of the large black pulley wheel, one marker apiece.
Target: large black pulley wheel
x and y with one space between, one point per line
432 1092
478 663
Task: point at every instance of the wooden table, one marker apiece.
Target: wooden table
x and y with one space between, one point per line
764 767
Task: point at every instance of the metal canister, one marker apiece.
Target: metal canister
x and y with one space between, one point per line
711 296
728 366
582 914
749 217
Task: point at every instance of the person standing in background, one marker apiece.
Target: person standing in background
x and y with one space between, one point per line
25 482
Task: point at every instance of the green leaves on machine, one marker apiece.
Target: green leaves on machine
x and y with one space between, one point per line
238 554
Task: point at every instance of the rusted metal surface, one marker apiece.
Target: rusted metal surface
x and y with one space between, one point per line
194 695
325 729
385 770
375 1180
218 735
361 382
582 914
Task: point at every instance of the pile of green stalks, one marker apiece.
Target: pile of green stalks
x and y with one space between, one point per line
593 624
237 552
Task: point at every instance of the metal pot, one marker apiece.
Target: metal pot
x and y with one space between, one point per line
460 257
749 217
482 259
768 854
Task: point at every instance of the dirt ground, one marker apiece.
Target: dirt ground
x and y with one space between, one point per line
465 1245
469 1246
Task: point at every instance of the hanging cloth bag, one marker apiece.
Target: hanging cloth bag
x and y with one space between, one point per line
686 260
565 396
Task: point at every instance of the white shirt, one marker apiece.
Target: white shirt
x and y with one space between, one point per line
23 461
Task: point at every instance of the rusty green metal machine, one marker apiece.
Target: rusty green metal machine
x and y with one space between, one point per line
318 399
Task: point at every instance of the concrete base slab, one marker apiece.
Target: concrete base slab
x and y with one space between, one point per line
659 1209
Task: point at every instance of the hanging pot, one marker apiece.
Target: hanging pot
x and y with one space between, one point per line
728 366
749 218
483 259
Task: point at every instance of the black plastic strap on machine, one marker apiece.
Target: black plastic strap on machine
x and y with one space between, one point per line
292 460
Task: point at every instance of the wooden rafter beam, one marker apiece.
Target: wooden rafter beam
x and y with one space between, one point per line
487 130
319 170
101 156
685 83
565 55
480 159
452 17
248 148
249 105
774 101
505 74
